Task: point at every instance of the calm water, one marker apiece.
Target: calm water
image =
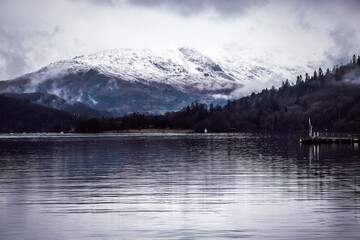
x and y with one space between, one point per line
177 187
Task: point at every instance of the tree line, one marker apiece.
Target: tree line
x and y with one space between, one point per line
331 98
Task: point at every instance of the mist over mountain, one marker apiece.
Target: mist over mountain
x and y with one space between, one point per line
122 81
54 102
187 91
331 98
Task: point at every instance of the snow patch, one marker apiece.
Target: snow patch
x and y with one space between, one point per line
92 100
180 68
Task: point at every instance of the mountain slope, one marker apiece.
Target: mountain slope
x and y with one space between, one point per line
124 80
23 116
331 99
53 101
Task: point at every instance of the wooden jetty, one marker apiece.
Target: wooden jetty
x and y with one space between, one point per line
326 137
331 138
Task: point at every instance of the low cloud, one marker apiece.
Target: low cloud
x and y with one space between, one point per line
345 44
12 59
228 8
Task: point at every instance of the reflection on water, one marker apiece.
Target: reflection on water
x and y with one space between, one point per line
177 187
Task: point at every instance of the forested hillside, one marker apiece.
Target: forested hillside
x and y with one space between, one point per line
330 97
18 115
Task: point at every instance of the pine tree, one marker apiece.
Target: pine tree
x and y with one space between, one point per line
211 109
298 80
285 84
327 72
321 73
333 70
315 76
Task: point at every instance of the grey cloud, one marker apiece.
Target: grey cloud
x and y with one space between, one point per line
345 43
227 8
319 4
31 38
302 20
340 29
13 54
18 54
98 2
230 8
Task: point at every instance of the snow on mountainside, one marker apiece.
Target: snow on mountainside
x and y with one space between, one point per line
184 68
126 80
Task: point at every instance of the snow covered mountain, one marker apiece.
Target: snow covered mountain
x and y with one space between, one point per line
124 80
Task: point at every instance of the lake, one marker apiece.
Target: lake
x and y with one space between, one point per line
177 186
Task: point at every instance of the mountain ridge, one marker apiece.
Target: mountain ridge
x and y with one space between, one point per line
162 80
331 98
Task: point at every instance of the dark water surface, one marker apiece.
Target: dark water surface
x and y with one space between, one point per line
177 187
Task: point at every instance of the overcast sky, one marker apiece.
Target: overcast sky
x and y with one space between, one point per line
34 33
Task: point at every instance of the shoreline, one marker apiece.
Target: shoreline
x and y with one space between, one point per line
151 131
105 133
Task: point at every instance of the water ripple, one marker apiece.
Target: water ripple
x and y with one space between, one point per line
177 186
